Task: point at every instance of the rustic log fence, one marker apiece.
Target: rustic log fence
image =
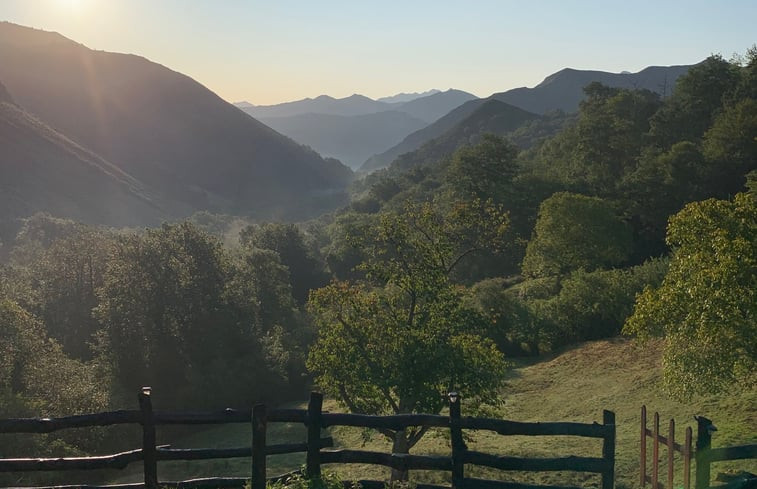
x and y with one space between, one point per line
315 419
704 456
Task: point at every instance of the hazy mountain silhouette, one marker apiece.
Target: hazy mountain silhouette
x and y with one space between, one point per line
323 104
421 136
560 91
42 170
564 90
350 139
432 107
407 97
427 107
164 128
492 116
354 128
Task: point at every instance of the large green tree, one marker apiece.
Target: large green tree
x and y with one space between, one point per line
575 231
396 344
706 307
170 322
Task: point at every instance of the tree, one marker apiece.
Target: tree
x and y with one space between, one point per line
398 343
66 277
484 171
305 270
170 322
696 99
730 147
706 307
575 231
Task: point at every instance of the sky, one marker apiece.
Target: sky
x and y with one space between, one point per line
273 51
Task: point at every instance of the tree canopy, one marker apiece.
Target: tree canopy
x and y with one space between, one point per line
706 307
398 343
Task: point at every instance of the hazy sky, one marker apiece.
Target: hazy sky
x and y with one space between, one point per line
279 50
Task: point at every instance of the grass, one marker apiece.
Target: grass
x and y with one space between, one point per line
574 385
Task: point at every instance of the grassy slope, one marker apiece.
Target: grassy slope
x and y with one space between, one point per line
574 385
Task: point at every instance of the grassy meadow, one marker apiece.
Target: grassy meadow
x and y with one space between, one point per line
573 385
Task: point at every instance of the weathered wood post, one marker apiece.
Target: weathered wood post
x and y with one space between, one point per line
259 428
656 451
704 443
313 420
671 451
149 449
687 460
456 437
643 455
608 450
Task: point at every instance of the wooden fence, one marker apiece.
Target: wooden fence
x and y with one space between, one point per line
704 456
315 420
672 447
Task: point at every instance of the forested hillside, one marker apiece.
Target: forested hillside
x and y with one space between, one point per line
165 129
638 216
43 170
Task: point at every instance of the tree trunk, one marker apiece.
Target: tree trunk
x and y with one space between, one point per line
400 445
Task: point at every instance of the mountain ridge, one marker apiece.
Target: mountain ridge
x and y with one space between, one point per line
43 170
407 97
428 107
164 128
562 90
492 116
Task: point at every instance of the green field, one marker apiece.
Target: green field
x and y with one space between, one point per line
574 385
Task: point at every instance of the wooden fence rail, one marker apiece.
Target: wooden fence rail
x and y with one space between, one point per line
706 455
315 419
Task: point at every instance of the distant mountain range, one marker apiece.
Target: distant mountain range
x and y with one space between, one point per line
350 139
164 132
353 128
561 91
407 97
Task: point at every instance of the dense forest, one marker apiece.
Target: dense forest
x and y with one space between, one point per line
639 215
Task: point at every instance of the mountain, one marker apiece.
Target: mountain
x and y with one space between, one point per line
42 170
352 105
428 106
491 116
422 136
432 107
560 91
354 128
407 97
164 128
350 139
564 90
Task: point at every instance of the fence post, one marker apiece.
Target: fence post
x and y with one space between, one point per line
643 458
656 451
456 437
313 462
608 450
149 450
687 460
259 422
704 442
671 451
